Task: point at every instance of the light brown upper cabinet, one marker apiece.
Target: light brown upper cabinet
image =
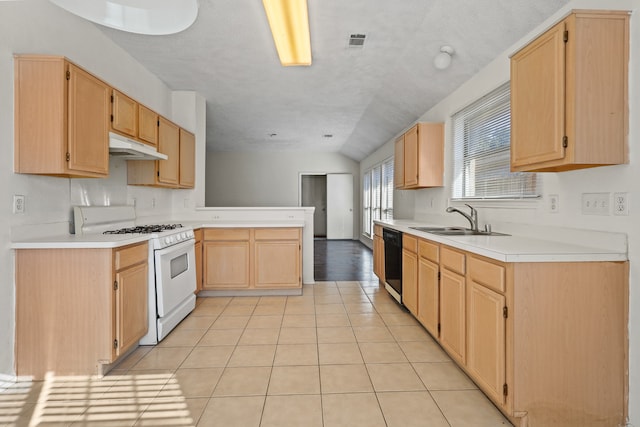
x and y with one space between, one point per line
159 173
187 159
398 163
147 125
178 171
134 120
169 144
61 125
569 89
419 157
124 114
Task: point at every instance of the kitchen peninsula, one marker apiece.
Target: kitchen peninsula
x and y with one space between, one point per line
107 274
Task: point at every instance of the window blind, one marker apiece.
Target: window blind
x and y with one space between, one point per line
376 174
366 204
481 158
387 189
377 195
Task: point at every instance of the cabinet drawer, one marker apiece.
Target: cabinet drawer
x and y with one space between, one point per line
198 234
130 255
226 234
453 260
377 230
488 274
429 251
277 233
410 243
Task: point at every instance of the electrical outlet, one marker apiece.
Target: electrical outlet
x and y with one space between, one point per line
18 204
153 202
620 204
595 203
554 203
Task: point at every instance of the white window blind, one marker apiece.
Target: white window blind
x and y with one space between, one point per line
376 175
377 195
387 190
481 160
367 221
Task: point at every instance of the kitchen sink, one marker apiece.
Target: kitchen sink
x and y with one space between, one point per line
457 231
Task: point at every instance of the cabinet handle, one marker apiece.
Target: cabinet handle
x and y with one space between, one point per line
115 285
115 344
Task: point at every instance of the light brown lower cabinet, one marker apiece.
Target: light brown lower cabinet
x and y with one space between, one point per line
252 258
410 273
78 309
546 342
198 234
453 304
277 258
428 286
486 349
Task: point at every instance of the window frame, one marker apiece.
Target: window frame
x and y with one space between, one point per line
464 123
377 203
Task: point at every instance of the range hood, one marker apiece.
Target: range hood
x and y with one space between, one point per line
125 148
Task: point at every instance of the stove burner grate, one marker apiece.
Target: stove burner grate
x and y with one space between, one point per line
154 228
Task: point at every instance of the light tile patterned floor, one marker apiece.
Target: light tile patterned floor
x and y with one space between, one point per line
342 354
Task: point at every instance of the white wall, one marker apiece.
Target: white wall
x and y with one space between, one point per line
189 109
431 203
270 178
39 27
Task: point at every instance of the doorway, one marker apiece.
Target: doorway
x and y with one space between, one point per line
332 196
314 193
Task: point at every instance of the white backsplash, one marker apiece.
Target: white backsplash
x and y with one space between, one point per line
101 191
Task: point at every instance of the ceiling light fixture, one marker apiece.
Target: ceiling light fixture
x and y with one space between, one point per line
289 22
443 59
153 17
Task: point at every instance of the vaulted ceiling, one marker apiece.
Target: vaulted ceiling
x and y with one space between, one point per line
362 97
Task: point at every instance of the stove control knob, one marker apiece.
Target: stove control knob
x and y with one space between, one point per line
168 240
184 235
178 237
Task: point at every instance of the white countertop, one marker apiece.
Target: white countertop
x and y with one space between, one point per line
87 241
513 248
244 223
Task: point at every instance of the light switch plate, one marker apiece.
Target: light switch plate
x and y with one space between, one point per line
595 203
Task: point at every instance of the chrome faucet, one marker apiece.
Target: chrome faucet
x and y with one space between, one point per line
473 218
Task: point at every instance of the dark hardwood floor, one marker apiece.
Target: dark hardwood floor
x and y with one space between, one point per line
342 260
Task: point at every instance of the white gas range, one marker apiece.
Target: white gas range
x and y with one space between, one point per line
172 274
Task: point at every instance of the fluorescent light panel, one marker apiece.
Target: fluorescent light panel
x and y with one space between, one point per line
289 22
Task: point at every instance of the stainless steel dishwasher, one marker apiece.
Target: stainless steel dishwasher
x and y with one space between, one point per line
393 262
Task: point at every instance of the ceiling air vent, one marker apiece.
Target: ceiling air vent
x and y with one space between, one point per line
356 40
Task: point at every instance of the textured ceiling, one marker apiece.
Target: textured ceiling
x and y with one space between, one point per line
361 96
